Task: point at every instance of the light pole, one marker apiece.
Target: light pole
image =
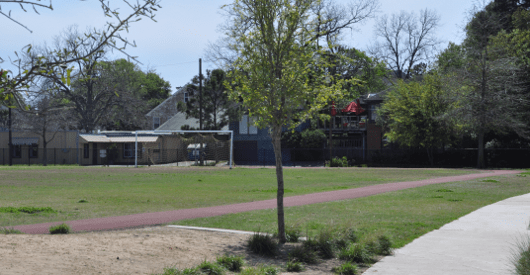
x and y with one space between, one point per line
9 143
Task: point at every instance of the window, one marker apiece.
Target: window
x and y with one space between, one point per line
86 150
156 122
186 97
243 125
33 151
373 112
128 150
246 126
17 151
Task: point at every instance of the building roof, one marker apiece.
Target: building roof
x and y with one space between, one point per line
117 139
169 100
179 120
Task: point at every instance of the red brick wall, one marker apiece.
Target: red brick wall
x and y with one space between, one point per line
373 136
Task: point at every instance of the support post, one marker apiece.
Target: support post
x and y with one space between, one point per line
136 150
231 147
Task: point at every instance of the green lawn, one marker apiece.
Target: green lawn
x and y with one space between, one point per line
122 191
403 215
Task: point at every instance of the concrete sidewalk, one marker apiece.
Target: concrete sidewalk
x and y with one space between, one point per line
481 242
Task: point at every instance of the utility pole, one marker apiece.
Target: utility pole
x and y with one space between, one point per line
200 94
200 112
10 145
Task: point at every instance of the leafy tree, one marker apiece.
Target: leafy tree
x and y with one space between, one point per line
217 109
407 40
414 114
279 76
490 90
139 92
64 56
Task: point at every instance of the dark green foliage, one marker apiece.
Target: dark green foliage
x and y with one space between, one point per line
5 230
345 269
303 254
211 268
356 252
27 209
263 244
293 266
339 162
82 201
60 229
313 138
444 190
232 263
291 139
490 181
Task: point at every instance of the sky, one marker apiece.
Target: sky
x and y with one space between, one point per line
173 45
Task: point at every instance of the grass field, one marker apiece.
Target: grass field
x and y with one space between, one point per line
403 215
91 192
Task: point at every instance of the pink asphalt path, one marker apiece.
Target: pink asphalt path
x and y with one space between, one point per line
157 218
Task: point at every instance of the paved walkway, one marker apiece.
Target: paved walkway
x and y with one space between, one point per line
479 243
157 218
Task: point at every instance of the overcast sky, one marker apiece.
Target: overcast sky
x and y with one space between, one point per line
173 45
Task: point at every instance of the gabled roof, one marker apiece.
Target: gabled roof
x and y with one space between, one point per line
178 120
169 100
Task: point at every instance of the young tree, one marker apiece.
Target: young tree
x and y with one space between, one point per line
280 77
407 40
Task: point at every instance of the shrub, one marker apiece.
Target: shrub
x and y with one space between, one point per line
27 209
303 254
263 244
5 230
60 229
293 266
345 269
313 138
231 263
210 268
356 252
339 162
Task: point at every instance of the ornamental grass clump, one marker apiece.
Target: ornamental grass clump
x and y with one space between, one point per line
293 266
303 254
232 263
357 253
263 244
521 256
209 268
345 269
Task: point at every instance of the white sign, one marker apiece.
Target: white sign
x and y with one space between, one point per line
103 153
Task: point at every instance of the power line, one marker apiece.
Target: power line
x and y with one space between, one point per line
165 65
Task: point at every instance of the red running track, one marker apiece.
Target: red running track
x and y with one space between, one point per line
156 218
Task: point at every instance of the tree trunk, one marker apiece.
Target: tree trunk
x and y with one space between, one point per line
277 144
430 155
480 160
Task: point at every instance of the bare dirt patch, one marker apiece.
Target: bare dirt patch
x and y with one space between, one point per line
134 251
